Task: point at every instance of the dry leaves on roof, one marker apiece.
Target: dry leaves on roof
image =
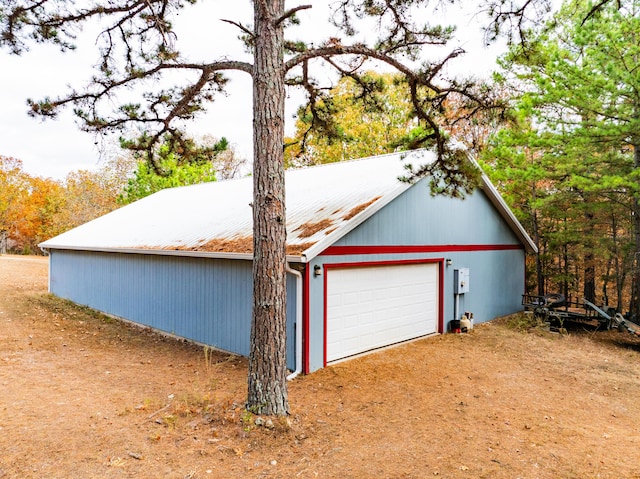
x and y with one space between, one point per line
298 249
242 244
359 209
309 229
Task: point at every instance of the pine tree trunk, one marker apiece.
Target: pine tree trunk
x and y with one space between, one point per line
589 289
634 307
539 271
267 382
565 268
605 282
619 270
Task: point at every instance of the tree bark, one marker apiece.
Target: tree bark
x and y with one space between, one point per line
4 236
267 382
589 287
618 264
565 267
539 271
634 306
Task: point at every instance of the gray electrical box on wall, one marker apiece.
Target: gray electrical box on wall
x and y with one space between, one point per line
461 280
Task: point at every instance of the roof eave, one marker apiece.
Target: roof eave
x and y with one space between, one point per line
497 201
169 252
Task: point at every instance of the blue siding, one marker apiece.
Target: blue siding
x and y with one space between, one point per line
416 218
202 299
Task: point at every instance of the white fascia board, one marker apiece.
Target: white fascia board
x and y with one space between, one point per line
498 201
169 252
507 214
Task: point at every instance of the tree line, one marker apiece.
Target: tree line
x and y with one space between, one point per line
569 158
34 209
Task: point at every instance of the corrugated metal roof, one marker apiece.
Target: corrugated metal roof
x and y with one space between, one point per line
217 217
323 203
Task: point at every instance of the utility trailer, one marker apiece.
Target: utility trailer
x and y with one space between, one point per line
555 309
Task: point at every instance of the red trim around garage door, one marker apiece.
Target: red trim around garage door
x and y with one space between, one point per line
328 267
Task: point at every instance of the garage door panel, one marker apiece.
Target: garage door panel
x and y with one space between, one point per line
371 307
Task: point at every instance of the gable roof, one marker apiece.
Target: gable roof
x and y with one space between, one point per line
215 219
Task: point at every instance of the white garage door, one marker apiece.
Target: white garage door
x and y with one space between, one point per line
375 306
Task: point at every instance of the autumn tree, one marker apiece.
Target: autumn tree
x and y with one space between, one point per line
28 207
362 125
34 209
139 47
41 202
88 194
13 187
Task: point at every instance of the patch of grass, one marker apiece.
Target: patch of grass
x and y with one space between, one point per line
524 322
210 357
247 420
69 309
170 420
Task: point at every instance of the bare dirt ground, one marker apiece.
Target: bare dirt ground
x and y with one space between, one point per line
84 396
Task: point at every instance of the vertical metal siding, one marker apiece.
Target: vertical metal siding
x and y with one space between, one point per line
415 217
205 300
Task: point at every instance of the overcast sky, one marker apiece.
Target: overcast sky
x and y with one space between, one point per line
54 148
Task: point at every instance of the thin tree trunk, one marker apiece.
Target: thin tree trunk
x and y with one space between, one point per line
634 306
267 382
589 289
4 239
565 269
539 267
605 282
618 274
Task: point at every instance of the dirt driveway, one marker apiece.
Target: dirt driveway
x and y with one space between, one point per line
84 396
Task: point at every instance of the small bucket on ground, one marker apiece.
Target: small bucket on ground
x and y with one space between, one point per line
454 325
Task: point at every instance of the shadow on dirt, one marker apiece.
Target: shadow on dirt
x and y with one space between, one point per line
612 337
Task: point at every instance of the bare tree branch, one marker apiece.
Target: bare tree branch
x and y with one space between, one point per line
595 9
292 12
240 26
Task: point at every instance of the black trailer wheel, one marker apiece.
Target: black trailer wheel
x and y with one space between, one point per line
554 300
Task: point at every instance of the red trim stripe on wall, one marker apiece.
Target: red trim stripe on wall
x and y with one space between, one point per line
399 249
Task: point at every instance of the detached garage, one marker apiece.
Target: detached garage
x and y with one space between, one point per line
372 261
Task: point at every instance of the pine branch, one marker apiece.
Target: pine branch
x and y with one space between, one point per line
240 26
292 12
